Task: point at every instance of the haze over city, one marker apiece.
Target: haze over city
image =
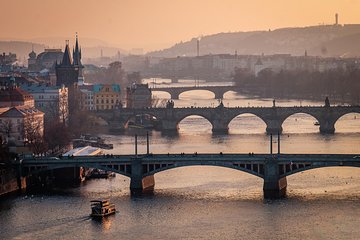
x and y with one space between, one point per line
179 119
153 25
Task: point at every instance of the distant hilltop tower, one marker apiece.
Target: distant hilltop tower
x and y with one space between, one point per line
198 47
336 19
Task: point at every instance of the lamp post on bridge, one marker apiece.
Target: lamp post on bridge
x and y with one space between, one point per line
136 147
271 144
147 143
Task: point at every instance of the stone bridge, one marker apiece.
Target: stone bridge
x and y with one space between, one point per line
220 117
175 92
272 168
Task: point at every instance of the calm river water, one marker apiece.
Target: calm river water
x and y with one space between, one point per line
207 202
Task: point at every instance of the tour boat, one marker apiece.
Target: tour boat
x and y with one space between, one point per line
101 208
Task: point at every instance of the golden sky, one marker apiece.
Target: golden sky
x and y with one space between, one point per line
152 24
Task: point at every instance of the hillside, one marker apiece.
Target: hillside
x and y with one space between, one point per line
324 40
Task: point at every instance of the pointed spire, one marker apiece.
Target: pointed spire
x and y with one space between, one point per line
67 57
77 43
77 52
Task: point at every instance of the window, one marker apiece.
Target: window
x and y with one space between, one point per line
102 100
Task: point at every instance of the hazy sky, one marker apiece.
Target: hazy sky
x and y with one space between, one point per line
153 24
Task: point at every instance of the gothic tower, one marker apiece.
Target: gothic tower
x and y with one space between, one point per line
67 72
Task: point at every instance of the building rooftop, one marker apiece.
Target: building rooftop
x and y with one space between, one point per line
83 151
14 94
32 88
19 111
99 87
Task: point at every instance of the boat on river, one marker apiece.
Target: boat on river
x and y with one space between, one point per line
88 140
143 121
97 173
101 208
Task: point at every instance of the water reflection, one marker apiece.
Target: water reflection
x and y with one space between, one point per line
103 224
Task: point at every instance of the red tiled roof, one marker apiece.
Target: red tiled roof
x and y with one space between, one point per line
14 95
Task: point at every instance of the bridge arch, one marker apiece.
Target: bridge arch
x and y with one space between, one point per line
351 119
294 168
248 121
162 94
257 171
198 116
199 91
308 121
227 92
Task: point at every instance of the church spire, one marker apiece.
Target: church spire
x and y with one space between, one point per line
77 52
67 57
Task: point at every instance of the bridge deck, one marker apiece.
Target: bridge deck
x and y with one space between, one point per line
282 158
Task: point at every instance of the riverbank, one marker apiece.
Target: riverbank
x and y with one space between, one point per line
9 181
334 100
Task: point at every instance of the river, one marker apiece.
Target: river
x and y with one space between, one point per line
207 202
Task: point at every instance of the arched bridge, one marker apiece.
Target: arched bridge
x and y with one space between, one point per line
220 117
175 92
273 169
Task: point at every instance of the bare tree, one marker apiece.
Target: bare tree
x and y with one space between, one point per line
4 152
6 127
58 109
33 133
64 106
57 137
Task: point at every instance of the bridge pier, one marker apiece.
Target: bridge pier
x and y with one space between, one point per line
175 95
169 125
273 127
219 126
218 95
139 183
274 186
327 127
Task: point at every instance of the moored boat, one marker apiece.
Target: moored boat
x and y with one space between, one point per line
88 140
101 208
96 173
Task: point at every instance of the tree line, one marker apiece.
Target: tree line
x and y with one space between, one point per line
342 85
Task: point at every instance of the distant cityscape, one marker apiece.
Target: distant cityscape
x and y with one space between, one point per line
179 119
48 104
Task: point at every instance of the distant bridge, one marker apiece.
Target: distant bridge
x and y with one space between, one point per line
221 116
175 92
141 169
